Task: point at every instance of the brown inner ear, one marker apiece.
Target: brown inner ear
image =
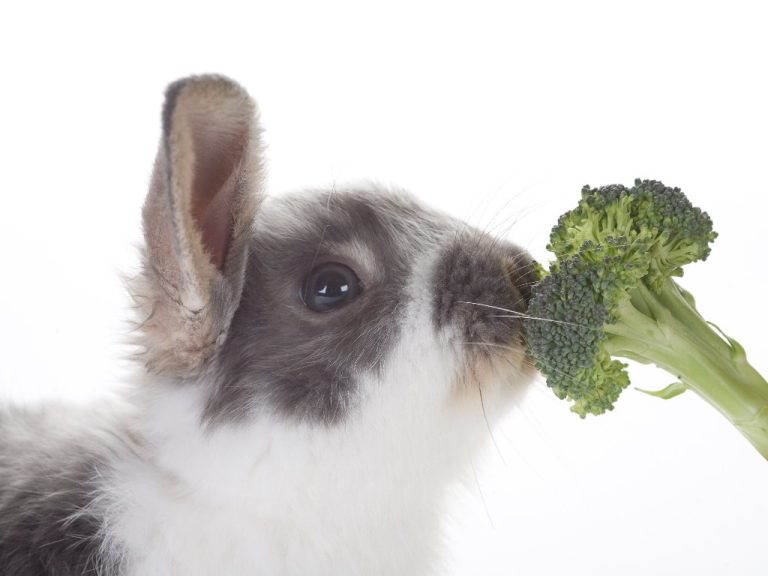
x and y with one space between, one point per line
218 156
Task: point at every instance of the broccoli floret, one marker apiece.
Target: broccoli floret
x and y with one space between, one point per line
610 293
649 216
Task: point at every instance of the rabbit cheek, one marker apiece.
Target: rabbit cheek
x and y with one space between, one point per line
280 355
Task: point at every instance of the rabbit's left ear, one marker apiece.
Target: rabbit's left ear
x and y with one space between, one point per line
205 191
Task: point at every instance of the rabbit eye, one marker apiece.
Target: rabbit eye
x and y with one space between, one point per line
330 286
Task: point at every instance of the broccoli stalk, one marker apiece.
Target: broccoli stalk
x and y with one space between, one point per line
611 294
667 330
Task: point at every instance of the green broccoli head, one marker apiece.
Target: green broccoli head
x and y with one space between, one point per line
617 243
650 216
568 311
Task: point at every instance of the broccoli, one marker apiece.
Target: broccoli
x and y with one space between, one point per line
611 294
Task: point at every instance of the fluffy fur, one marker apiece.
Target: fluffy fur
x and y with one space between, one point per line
264 438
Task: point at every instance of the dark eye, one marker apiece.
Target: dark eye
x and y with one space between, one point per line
330 286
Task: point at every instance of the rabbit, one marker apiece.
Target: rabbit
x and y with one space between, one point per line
315 369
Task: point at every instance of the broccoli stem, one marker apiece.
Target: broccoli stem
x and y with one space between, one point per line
665 329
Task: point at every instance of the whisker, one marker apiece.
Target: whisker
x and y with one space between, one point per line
516 314
482 497
502 228
488 425
320 243
493 345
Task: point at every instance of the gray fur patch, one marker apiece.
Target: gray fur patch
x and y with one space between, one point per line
48 526
300 362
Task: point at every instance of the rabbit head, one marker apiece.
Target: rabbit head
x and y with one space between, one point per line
305 306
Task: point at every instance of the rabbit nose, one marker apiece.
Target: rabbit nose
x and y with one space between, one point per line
482 286
519 270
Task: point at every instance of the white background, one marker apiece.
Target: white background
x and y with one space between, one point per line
498 113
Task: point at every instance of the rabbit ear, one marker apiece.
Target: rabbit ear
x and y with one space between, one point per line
205 191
